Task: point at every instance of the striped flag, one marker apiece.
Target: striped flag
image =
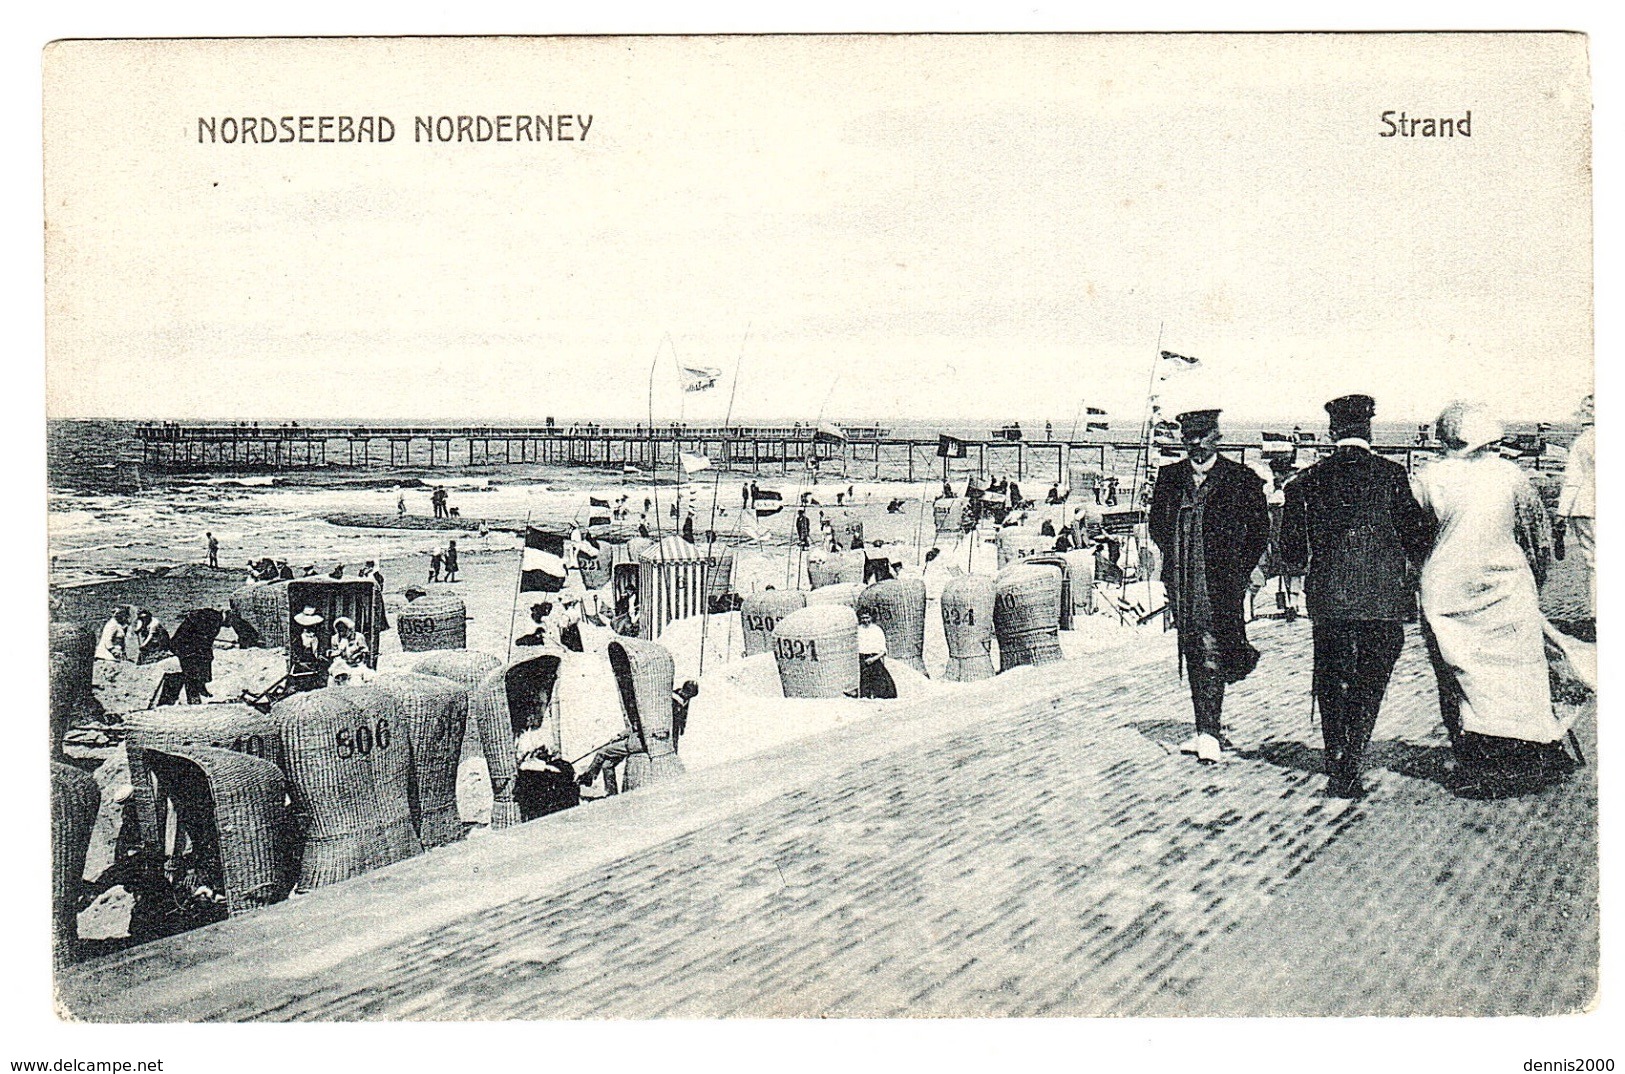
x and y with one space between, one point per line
1179 359
1097 426
768 502
542 568
1096 412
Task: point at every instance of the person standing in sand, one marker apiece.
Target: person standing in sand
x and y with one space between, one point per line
435 560
1352 526
1211 523
450 561
214 549
874 680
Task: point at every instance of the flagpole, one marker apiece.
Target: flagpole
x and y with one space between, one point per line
711 530
519 580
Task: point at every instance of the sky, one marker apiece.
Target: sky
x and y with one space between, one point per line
881 227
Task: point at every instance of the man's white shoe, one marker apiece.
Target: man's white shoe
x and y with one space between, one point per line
1208 750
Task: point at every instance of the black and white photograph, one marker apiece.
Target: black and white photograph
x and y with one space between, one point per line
976 526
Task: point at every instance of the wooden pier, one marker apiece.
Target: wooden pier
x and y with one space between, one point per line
866 451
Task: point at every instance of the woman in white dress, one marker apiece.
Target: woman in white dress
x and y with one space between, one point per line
1481 609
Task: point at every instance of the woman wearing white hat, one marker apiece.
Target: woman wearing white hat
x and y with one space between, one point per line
308 658
1481 609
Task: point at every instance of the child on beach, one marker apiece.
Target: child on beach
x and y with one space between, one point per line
434 565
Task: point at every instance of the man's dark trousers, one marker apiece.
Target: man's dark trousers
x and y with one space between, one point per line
1353 661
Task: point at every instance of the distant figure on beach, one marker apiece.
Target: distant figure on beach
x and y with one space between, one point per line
947 490
643 530
400 503
283 571
1054 495
1210 521
193 646
570 631
688 527
1049 431
449 561
1351 525
337 573
1577 505
435 560
744 497
110 645
1481 610
803 529
437 500
874 681
214 549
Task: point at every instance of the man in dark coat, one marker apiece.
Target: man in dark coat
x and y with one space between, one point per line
1211 522
1351 522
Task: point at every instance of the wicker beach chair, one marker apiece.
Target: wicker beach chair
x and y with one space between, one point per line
465 667
75 800
967 623
433 622
1027 616
823 569
349 766
514 698
644 675
898 607
260 615
1062 565
240 728
73 660
1080 565
234 808
760 613
436 715
846 593
719 582
1015 545
853 563
817 652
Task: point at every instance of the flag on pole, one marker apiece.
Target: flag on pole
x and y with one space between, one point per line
1096 412
693 463
1097 426
541 569
768 502
950 447
1179 359
699 378
596 502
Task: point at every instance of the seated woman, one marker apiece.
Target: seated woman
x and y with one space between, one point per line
351 657
308 658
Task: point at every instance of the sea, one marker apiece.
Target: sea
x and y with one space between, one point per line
109 518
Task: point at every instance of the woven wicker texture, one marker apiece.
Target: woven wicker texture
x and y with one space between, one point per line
1016 545
433 622
817 652
493 710
1061 566
264 608
73 658
1080 565
759 615
846 593
644 676
229 727
74 802
350 764
823 569
898 607
1027 616
235 807
466 667
853 563
436 714
967 623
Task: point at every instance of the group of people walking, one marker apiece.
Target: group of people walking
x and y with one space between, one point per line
1467 534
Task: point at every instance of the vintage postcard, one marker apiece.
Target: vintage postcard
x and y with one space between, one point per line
871 526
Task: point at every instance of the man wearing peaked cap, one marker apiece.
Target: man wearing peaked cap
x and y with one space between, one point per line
1211 522
1351 523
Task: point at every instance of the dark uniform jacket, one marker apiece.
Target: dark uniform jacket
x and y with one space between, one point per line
1351 524
1236 532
